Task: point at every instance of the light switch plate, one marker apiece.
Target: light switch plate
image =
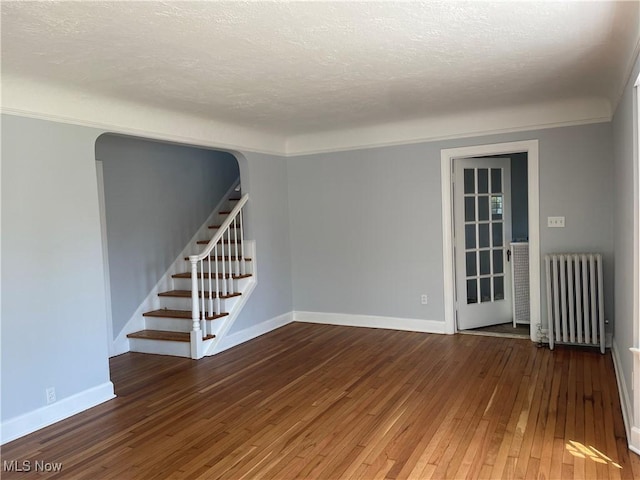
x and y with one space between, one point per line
555 222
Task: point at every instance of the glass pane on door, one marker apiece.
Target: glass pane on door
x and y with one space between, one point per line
483 180
472 291
484 234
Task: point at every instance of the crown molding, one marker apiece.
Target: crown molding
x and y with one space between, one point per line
47 101
470 124
62 104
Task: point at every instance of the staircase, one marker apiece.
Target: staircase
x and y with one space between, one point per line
206 297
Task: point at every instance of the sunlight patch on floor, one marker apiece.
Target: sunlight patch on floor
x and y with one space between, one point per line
579 450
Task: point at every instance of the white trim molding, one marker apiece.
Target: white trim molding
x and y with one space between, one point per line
242 336
105 257
371 321
634 436
522 118
32 98
59 103
625 400
43 417
446 157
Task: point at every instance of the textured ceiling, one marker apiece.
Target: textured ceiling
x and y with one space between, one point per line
305 67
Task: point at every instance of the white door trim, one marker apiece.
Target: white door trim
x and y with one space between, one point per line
634 438
105 255
446 157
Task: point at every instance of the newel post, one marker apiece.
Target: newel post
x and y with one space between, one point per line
196 334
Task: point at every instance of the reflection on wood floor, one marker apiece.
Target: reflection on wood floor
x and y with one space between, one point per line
330 402
502 330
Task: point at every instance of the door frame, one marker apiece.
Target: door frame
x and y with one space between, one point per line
447 156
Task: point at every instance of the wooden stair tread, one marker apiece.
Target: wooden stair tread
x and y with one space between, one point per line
218 226
187 294
182 314
206 275
226 258
165 336
225 241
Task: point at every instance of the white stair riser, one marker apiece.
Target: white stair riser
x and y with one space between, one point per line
175 324
175 303
232 285
160 347
235 269
167 324
215 230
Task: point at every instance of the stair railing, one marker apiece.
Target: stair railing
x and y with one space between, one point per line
223 265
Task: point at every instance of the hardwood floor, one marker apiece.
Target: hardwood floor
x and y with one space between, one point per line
329 402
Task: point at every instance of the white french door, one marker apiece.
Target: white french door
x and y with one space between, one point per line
482 223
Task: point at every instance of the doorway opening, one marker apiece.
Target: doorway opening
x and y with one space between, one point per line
492 236
154 196
487 259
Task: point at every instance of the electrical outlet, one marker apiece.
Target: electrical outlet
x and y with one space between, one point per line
51 395
424 299
555 222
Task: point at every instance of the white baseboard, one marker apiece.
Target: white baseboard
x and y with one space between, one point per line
371 321
625 399
250 333
634 440
43 417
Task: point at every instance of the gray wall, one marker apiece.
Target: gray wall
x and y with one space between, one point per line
157 195
366 225
53 327
623 198
53 300
366 232
264 178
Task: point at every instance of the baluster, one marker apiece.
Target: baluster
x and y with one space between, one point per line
210 305
231 289
215 255
195 314
224 281
243 267
235 240
202 310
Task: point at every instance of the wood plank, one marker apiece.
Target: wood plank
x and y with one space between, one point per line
179 314
224 240
215 227
321 401
207 275
187 294
161 335
220 258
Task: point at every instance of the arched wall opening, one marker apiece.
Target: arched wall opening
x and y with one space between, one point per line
154 197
